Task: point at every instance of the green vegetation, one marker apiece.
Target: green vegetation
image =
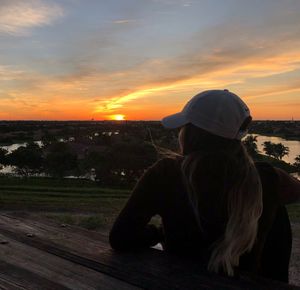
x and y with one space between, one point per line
275 162
61 195
73 202
46 182
297 163
294 212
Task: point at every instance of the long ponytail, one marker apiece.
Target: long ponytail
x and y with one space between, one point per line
241 191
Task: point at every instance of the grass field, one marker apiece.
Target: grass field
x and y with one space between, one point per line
76 202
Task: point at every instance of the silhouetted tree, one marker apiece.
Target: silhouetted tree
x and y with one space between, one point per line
100 162
130 160
268 148
250 143
60 159
276 150
297 163
281 150
26 159
3 157
48 138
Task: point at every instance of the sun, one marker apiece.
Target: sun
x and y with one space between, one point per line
118 117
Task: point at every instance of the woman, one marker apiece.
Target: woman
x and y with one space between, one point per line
214 201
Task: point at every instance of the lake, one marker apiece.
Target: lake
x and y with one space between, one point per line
294 146
15 146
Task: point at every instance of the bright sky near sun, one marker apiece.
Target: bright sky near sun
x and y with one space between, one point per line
143 59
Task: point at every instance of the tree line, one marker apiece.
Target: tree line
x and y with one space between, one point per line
118 163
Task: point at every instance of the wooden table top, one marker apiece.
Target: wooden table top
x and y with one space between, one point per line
42 254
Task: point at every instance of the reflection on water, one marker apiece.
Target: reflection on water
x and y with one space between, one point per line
7 169
15 146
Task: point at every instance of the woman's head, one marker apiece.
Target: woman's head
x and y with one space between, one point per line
217 167
192 138
218 112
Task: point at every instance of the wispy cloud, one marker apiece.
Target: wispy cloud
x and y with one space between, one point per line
124 21
8 73
18 17
233 55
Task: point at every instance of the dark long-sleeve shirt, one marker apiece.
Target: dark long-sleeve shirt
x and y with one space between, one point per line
161 191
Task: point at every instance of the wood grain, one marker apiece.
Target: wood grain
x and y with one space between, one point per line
149 269
30 268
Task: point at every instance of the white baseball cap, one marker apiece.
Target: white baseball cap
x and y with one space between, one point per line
219 112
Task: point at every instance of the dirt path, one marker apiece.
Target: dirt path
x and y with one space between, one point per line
295 258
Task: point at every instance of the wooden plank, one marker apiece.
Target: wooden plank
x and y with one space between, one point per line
76 247
8 285
75 244
30 268
12 277
150 269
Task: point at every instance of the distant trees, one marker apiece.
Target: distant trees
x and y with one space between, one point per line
48 138
250 143
59 159
297 163
26 159
3 157
276 150
268 148
56 159
100 163
120 164
113 154
130 160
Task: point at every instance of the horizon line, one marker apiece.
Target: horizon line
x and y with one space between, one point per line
121 121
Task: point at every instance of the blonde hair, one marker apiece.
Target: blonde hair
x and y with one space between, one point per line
214 162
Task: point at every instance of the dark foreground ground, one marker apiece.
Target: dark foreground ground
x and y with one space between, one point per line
86 205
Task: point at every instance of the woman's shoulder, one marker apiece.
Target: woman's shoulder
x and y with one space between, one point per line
167 166
168 163
276 179
266 170
263 165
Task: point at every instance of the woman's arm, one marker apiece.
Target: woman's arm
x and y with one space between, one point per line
289 187
131 229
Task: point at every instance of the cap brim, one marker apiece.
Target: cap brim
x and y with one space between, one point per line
174 121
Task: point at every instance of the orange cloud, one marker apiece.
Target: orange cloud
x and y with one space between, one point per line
238 73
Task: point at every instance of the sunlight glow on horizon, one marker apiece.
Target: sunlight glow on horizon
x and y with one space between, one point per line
117 117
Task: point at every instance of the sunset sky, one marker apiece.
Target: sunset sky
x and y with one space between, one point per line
143 59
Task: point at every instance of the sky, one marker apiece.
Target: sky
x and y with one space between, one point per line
144 59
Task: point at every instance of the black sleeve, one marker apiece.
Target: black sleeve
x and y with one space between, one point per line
289 187
131 229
